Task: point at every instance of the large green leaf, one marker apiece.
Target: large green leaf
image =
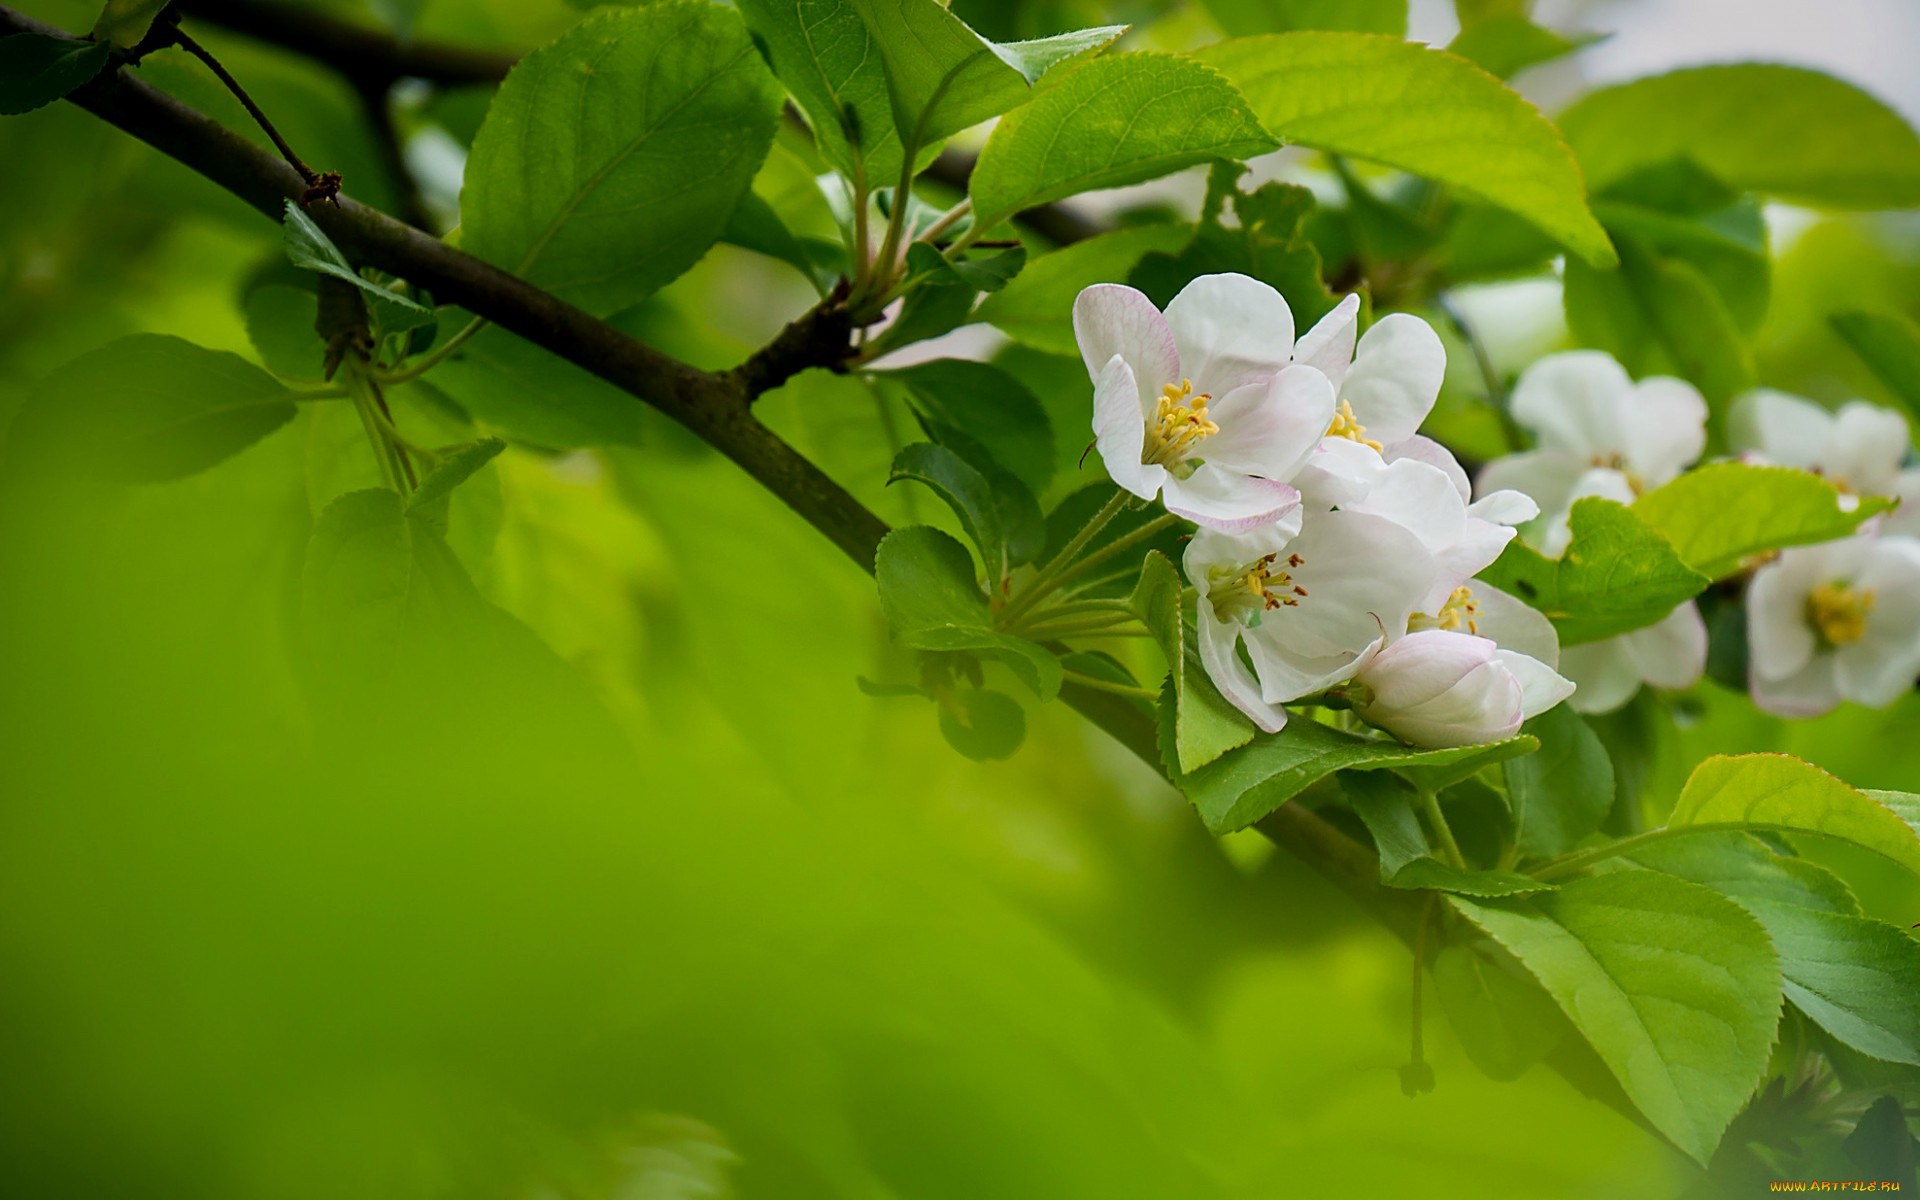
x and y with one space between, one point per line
520 390
611 159
1784 131
1560 794
1780 792
933 602
1617 575
941 76
1890 346
1676 987
1737 864
1659 315
1036 308
1113 121
1407 858
827 57
1509 43
1503 1019
1205 724
1240 18
1243 785
1719 515
995 509
357 581
37 70
147 408
1424 111
960 401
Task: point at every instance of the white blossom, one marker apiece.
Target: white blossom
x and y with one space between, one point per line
1832 622
1670 653
1438 687
1860 448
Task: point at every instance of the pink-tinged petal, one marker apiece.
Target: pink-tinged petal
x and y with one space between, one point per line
1230 330
1337 474
1229 502
1780 642
1603 674
1286 676
1671 652
1328 346
1424 449
1541 687
1423 665
1473 551
1110 319
1219 654
1869 443
1504 507
1396 377
1547 477
1120 430
1516 625
1270 427
1808 692
1438 688
1780 429
1569 401
1362 576
1663 429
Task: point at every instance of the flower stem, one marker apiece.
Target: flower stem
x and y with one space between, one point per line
1043 582
1105 685
1417 1076
433 358
1430 804
1093 624
1116 546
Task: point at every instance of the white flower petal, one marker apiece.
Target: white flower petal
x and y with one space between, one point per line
1569 401
1230 330
1362 575
1516 625
1110 319
1671 652
1663 429
1396 377
1437 688
1425 449
1780 642
1120 430
1473 551
1337 474
1868 445
1270 427
1418 498
1219 655
1808 692
1328 346
1421 666
1781 429
1547 477
1541 687
1603 673
1229 502
1508 506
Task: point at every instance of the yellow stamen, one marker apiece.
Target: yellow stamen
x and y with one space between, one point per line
1460 611
1261 585
1179 424
1613 462
1839 612
1344 425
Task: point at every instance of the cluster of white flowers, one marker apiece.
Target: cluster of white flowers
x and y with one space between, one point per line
1839 621
1336 545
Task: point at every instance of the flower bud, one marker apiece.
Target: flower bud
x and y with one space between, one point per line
1439 688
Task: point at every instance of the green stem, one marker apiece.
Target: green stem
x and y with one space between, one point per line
1580 860
1430 804
438 355
1054 612
1042 583
1417 1076
1116 546
861 234
1052 629
1103 685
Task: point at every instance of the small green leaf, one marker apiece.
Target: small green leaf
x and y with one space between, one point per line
995 509
1239 18
36 70
124 23
1205 724
612 158
1407 858
146 408
1036 309
941 76
355 587
987 273
1246 784
1035 58
1421 110
1890 346
1113 121
983 725
825 54
1783 793
1504 1021
927 312
1782 131
1676 987
1508 44
1561 794
280 326
1268 242
1659 315
933 602
755 226
1616 576
958 400
1720 515
309 248
455 466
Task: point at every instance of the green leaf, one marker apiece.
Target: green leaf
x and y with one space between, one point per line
356 583
1239 18
146 408
310 249
1616 576
1267 242
1114 121
941 76
927 312
1659 315
455 466
825 54
611 159
1783 793
1677 988
1890 346
995 509
983 725
1509 43
124 23
933 602
1856 978
1423 111
1121 574
988 273
1036 309
1246 784
1205 724
1407 858
960 401
1504 1021
1035 58
520 390
755 226
1783 131
1726 244
280 325
1718 516
1562 793
36 70
1739 865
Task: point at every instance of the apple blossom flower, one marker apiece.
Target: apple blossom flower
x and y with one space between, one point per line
1670 653
1860 449
1437 687
1832 622
1200 405
1310 607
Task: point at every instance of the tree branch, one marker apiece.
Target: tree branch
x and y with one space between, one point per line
365 56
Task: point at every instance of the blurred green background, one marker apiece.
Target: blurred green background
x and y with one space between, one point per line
639 896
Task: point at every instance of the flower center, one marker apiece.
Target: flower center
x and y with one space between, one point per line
1180 424
1344 425
1838 611
1460 611
1247 592
1614 462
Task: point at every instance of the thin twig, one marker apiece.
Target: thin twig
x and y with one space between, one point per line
185 41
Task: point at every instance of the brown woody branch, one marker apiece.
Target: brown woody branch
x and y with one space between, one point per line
365 56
